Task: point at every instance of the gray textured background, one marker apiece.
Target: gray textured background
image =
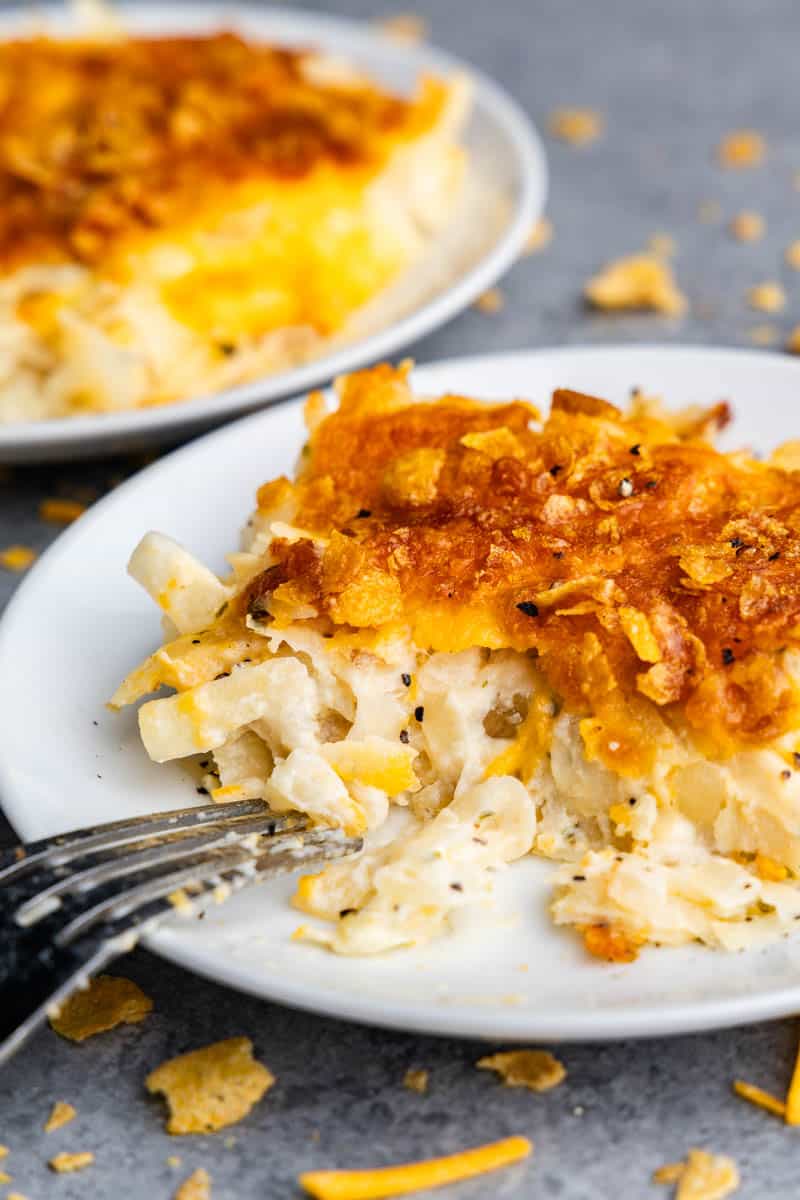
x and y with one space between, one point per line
671 79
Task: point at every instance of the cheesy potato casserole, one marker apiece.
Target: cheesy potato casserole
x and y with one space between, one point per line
182 214
475 635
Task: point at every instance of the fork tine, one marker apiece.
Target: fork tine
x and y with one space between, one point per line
60 849
236 866
89 871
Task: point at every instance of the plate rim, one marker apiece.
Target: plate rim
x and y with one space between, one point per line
428 1017
20 440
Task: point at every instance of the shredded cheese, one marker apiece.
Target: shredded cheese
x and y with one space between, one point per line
792 1115
414 1177
759 1097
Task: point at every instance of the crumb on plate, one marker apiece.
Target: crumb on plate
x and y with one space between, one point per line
414 1177
540 235
65 1163
578 126
210 1088
741 148
196 1187
638 281
792 255
61 1115
793 343
408 28
490 301
537 1070
613 945
108 1001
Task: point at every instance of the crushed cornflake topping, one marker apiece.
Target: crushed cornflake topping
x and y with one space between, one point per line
408 28
541 235
4 1151
414 1177
16 1196
703 1176
17 558
196 1187
5 1177
639 281
61 1115
767 297
663 245
792 255
741 148
578 126
792 1115
763 335
759 1097
613 945
747 226
181 902
709 211
416 1081
61 512
537 1070
793 343
64 1163
108 1001
491 301
210 1088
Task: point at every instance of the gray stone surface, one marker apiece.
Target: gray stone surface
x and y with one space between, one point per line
671 78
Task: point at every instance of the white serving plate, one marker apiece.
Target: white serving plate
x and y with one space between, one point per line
503 196
78 623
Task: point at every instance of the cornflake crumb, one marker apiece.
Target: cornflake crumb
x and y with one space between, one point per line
640 281
763 335
109 1000
491 301
537 1070
793 344
16 1196
747 226
613 945
64 1163
703 1176
181 902
416 1081
61 512
709 211
5 1177
210 1088
4 1151
578 126
196 1187
663 245
792 255
767 297
408 28
741 148
61 1115
541 235
17 558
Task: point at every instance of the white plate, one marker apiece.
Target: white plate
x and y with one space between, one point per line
503 196
77 624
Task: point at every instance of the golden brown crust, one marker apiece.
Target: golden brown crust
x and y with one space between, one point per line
101 139
655 577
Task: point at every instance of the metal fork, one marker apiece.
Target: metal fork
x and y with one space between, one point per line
69 904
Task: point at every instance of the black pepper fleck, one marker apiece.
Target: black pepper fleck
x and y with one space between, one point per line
529 608
786 774
347 912
201 791
774 557
457 887
651 483
406 678
558 554
362 513
556 469
419 712
404 736
636 450
579 879
727 656
195 641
